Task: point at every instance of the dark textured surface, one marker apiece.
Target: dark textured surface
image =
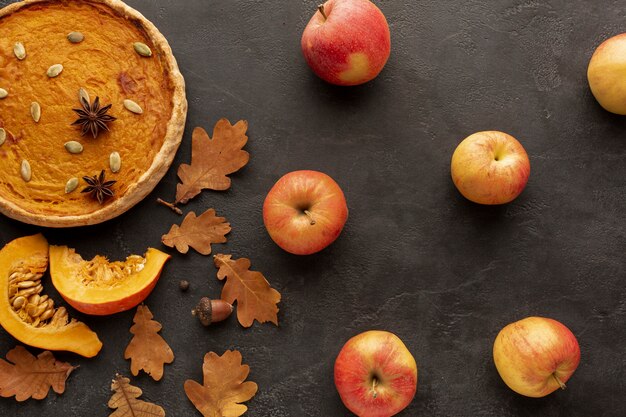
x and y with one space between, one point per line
415 257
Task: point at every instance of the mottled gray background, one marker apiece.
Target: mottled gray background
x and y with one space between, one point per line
415 258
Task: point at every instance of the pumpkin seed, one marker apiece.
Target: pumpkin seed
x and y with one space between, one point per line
73 147
25 171
3 136
31 309
34 299
29 291
19 50
35 111
26 284
83 94
142 49
133 107
46 315
59 318
40 309
55 70
71 185
3 93
35 311
18 277
115 161
75 37
19 302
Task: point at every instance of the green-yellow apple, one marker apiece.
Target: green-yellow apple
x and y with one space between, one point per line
536 356
375 374
347 42
490 168
607 74
304 212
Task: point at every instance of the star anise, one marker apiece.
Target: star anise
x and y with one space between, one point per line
98 187
92 117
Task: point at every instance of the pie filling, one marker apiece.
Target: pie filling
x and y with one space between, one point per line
38 172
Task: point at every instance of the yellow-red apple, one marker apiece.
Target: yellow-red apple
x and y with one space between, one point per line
304 212
536 356
347 42
607 74
375 374
490 168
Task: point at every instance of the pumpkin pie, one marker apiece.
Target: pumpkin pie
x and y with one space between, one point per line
92 110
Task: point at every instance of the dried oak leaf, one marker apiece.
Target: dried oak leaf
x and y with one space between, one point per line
256 299
224 388
213 159
29 376
197 232
125 401
147 350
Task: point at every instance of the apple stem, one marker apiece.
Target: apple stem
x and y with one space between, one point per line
321 9
374 383
310 216
561 384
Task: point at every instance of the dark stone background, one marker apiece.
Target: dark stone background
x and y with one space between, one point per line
415 258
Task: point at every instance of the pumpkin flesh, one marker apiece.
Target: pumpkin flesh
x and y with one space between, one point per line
100 287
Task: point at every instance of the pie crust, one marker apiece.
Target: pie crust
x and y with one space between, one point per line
106 65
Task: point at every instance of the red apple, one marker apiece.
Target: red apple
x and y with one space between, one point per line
607 74
536 356
347 42
490 168
375 374
304 212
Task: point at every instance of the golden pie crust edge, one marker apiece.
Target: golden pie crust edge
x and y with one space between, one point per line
162 160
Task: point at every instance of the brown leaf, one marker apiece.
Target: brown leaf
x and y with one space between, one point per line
197 232
125 401
26 376
224 388
256 299
147 350
213 159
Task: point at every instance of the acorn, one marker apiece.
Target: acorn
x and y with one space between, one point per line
212 311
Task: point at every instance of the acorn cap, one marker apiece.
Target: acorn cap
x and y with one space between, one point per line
204 311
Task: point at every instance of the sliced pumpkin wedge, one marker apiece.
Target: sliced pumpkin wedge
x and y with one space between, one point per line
26 313
101 287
